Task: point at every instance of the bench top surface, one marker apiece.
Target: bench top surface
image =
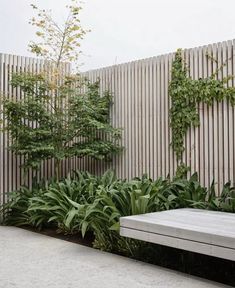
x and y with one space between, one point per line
205 226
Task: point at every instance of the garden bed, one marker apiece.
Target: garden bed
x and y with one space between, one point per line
90 206
76 238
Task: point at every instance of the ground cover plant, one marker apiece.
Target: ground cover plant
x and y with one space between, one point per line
83 203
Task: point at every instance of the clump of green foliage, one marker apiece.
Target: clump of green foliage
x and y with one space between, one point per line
41 128
186 93
84 203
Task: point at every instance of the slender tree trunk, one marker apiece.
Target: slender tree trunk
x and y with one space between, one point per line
57 169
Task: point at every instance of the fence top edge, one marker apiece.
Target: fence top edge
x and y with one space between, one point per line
226 42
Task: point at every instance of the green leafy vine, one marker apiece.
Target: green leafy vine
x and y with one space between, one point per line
186 93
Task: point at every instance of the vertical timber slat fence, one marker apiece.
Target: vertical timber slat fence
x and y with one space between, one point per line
141 109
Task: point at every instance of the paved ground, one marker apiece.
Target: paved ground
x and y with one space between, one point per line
31 260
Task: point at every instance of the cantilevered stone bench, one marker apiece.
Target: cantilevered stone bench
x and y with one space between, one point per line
206 232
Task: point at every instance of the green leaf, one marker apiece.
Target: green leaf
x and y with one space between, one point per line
70 216
115 227
84 228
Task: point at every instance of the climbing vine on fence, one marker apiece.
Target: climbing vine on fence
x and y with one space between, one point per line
186 93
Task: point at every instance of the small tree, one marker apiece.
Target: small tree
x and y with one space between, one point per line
55 119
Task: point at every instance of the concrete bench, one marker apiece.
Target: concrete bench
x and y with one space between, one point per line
206 232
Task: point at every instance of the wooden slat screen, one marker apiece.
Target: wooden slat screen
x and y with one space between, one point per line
141 105
141 108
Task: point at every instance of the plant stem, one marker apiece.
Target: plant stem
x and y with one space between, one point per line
57 169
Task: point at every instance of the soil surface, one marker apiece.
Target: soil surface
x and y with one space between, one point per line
76 238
